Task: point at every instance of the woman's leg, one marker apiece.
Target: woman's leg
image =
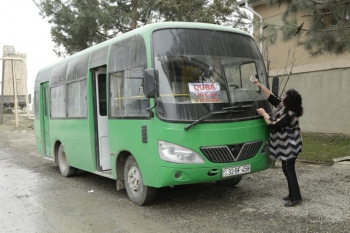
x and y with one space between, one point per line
285 172
293 184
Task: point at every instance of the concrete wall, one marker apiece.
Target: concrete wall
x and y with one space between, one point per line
326 96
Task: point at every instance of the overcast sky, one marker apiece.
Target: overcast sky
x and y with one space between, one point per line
23 27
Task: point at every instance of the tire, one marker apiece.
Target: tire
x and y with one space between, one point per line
138 193
230 182
65 169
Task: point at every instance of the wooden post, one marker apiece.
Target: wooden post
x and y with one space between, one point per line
2 92
15 93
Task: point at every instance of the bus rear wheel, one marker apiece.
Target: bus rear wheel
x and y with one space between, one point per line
229 182
65 169
138 193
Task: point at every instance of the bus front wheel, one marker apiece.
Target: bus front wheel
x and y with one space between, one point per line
229 182
138 193
65 169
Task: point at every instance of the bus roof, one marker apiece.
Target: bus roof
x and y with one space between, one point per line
148 29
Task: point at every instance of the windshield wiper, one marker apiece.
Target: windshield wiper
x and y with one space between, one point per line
238 107
211 114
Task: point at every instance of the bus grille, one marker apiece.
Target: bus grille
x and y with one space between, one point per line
231 153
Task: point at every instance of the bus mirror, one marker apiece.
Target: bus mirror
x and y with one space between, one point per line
275 85
151 82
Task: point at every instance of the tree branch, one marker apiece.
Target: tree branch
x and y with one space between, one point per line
306 29
325 13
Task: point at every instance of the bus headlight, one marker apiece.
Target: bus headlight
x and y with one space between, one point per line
178 154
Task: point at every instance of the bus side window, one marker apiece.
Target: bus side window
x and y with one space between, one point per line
57 101
77 99
102 94
127 98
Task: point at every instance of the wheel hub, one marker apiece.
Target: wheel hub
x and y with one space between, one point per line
134 179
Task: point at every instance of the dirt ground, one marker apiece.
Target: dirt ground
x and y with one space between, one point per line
36 198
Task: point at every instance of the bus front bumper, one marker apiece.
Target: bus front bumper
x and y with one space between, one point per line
169 176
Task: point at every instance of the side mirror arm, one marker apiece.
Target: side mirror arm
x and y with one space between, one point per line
149 110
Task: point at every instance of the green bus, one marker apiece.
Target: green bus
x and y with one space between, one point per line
166 104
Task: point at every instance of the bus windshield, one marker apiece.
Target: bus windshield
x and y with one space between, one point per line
202 71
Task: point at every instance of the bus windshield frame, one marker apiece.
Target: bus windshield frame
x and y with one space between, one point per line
202 71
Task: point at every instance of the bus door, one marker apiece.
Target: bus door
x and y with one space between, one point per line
100 82
45 97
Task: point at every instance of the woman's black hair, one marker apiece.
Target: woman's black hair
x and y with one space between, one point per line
293 102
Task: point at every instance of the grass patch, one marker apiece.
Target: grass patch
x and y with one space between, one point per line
319 147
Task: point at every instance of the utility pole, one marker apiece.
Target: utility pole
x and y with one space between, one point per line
15 92
2 91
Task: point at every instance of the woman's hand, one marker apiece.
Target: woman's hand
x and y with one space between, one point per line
255 81
266 116
261 111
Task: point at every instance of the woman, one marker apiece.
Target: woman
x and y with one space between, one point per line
285 141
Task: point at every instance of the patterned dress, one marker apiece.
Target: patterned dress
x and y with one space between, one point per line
285 141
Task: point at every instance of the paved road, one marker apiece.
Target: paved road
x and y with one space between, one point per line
36 198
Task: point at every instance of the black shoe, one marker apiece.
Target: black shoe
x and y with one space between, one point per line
286 198
292 203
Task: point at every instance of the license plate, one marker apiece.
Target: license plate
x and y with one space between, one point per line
233 171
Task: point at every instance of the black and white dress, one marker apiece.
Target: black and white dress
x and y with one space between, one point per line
285 141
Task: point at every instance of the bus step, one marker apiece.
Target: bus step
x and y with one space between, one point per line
107 173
